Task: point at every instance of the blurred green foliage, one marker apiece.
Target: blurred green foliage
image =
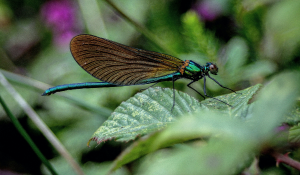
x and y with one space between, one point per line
252 42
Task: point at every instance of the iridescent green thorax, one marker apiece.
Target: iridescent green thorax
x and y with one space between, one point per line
192 69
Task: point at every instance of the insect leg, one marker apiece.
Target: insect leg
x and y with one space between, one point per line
204 89
173 93
219 83
194 89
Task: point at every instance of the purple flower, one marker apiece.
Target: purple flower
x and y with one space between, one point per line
283 127
60 16
208 10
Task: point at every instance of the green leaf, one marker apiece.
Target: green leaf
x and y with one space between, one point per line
221 156
236 55
274 101
294 134
260 68
239 101
200 124
282 28
144 113
293 116
201 41
151 111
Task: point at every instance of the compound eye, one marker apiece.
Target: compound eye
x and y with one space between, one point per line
213 69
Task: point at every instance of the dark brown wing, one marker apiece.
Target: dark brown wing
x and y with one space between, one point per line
120 64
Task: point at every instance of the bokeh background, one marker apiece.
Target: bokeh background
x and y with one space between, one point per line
250 41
